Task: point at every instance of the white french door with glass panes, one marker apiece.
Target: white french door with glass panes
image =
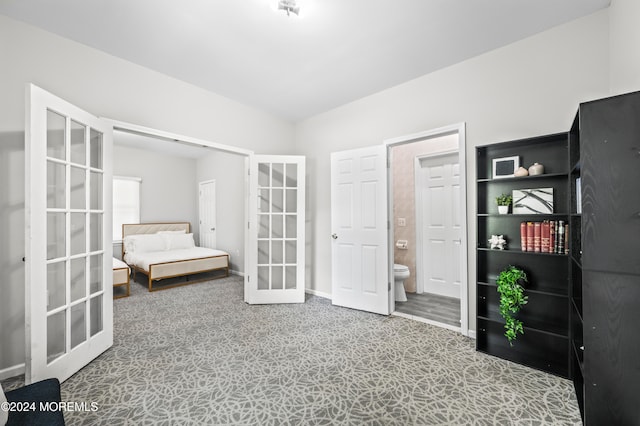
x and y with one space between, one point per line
69 306
276 230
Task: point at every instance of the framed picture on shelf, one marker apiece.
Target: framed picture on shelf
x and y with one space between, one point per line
505 167
533 201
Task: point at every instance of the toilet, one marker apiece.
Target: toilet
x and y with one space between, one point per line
400 273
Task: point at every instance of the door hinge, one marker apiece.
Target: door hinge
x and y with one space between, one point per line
248 278
388 224
248 225
389 286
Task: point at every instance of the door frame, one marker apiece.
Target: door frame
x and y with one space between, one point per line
460 130
247 153
419 212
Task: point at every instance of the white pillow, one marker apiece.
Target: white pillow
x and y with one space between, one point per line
183 231
179 241
4 414
144 243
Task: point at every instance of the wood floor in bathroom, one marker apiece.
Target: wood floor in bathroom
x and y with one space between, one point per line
433 307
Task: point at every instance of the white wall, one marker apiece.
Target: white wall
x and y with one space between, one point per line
528 88
107 87
168 192
624 44
228 170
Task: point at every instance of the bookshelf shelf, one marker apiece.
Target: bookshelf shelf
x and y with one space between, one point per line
545 344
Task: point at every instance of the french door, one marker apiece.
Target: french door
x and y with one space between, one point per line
276 230
360 263
69 307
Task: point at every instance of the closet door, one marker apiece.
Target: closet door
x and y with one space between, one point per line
69 306
276 230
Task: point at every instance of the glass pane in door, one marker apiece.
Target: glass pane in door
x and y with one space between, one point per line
78 191
78 325
78 233
78 145
96 315
56 129
95 273
56 235
96 149
56 285
78 279
56 184
56 335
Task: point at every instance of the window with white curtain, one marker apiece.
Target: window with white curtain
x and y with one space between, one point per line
126 203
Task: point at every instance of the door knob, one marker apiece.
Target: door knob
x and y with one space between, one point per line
213 229
334 236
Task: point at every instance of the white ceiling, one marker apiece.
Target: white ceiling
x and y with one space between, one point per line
295 67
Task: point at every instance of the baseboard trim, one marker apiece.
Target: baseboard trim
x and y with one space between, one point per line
12 371
427 321
472 334
238 273
318 293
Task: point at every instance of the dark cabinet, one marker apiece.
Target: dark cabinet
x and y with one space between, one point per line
610 158
605 271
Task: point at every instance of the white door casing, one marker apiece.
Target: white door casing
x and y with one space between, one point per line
68 208
359 251
276 246
439 207
207 213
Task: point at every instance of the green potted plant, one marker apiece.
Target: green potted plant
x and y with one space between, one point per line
503 201
510 286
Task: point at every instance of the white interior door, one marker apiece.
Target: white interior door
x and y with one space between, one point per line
276 230
207 210
69 306
359 251
441 215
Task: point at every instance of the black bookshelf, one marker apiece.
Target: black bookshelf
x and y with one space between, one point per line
604 143
546 344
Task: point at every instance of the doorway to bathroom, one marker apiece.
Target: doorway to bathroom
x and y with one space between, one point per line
428 216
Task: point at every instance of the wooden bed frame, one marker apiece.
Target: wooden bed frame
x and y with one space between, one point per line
180 268
121 279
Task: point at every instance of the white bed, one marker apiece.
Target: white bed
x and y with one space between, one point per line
167 250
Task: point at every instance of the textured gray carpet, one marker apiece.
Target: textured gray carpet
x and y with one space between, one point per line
198 355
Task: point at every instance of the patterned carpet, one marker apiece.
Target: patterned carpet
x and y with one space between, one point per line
198 355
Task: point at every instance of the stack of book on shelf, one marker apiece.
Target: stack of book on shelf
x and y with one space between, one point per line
549 236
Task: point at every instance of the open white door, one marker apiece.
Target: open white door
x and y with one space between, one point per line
207 212
360 261
276 230
69 305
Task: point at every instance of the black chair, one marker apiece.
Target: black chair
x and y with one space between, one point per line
44 398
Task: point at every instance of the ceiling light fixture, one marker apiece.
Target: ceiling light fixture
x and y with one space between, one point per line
289 6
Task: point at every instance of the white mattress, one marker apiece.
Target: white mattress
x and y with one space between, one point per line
119 264
143 260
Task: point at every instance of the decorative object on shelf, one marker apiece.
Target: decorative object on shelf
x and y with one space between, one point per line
505 167
504 201
533 201
521 172
536 169
510 286
497 241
